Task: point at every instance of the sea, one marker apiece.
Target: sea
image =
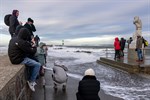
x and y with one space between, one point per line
113 81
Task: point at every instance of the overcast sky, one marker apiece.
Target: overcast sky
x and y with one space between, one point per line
78 22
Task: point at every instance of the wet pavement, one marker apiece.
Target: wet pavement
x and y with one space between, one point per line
48 93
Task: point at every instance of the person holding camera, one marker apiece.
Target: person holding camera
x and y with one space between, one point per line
30 26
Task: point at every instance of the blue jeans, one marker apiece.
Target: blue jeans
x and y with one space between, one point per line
35 66
139 53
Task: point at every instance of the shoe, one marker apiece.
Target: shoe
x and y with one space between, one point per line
42 71
122 57
43 80
34 83
137 60
31 85
64 87
55 87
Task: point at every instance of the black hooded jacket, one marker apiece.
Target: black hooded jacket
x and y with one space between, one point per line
88 88
19 47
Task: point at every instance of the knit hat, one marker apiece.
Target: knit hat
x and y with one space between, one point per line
30 20
89 72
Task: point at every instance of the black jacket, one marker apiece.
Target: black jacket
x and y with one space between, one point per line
31 29
122 43
88 88
13 24
19 47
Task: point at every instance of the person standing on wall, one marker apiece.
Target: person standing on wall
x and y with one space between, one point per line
30 26
13 22
18 50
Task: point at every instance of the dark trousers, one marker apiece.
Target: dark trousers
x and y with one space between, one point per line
117 54
121 53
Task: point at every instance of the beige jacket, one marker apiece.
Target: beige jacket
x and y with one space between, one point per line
139 43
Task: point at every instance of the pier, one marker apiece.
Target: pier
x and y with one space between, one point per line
128 64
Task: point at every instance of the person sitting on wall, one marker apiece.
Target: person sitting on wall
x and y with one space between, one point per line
18 50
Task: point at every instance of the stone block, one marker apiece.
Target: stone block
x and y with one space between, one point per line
13 81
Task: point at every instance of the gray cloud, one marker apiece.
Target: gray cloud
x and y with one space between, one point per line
65 19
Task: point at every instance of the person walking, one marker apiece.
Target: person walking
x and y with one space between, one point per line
89 86
139 43
117 48
18 50
13 22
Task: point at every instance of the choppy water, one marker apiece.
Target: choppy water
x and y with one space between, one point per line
113 81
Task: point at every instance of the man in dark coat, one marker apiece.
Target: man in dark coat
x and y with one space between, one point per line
89 87
18 50
30 26
122 45
13 22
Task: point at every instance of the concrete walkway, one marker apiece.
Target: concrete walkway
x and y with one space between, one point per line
48 92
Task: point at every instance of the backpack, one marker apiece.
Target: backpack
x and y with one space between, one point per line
6 19
145 42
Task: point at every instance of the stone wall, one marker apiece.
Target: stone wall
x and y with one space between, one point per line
13 81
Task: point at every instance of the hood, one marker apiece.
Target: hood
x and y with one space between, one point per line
14 12
116 39
24 34
41 44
